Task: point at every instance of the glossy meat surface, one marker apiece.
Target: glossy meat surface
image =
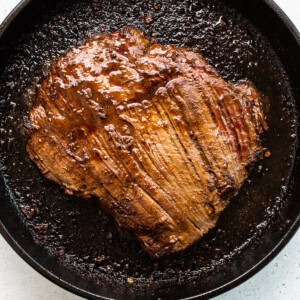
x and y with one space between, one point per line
152 131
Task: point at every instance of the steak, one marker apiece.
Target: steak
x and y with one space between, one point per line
152 131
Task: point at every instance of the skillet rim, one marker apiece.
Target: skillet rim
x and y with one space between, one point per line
292 229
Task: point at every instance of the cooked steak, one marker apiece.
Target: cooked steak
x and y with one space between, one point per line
152 131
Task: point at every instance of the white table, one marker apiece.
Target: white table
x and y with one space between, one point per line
279 280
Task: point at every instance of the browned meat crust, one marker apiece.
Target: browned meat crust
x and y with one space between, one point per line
152 131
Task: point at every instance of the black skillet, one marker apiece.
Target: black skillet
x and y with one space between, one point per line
76 245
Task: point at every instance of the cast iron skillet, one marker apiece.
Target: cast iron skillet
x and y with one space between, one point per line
76 245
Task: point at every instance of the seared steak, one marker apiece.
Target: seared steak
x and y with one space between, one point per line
152 131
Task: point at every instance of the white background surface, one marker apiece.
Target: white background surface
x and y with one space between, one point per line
280 280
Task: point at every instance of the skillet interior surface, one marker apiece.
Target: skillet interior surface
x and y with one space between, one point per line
75 241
